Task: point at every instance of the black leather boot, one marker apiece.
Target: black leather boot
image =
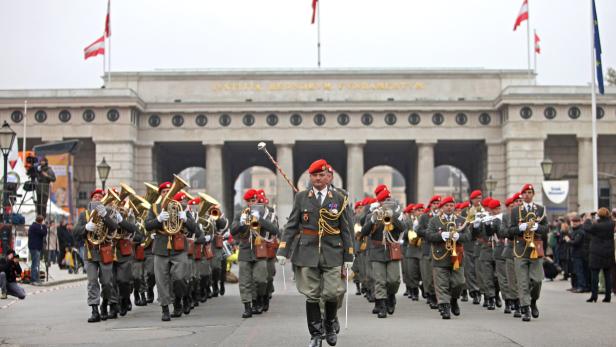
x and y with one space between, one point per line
516 308
113 311
208 286
144 301
476 297
508 305
455 308
331 309
123 307
534 311
464 296
95 317
382 308
498 301
525 314
375 309
186 304
247 310
315 324
445 311
433 302
485 301
265 300
407 291
490 304
165 317
214 284
177 308
223 276
150 295
203 289
358 288
136 294
257 307
391 303
104 314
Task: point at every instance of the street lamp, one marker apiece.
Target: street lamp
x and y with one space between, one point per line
7 137
491 184
103 171
546 167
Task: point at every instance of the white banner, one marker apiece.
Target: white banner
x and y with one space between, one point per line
556 191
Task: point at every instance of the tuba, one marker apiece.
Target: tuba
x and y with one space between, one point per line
100 233
174 224
151 193
209 207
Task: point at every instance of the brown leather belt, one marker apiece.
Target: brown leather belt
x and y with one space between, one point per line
377 243
310 232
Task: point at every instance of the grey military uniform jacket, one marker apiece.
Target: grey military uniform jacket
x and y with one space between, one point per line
161 240
241 233
422 231
375 231
518 215
504 235
440 256
80 232
304 221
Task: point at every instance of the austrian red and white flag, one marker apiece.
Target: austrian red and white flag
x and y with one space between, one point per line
108 20
314 10
522 16
96 48
537 44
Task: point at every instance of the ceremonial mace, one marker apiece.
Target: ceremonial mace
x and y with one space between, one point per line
262 147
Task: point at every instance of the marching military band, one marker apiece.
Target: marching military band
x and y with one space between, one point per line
443 251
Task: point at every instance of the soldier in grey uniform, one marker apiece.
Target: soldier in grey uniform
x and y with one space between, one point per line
384 250
512 284
448 271
528 261
170 257
325 243
426 259
218 263
270 215
412 254
358 268
498 228
123 258
486 265
471 258
99 270
252 229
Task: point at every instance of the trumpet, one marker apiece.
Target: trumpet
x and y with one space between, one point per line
450 244
174 224
529 234
251 220
100 232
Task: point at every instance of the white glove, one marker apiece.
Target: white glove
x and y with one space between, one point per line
374 206
90 226
348 265
243 219
163 216
281 260
226 235
118 218
153 236
182 216
476 223
373 219
535 227
101 210
255 214
523 227
456 236
208 238
445 235
415 223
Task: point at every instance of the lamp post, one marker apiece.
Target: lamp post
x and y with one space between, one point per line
491 185
7 137
103 171
546 167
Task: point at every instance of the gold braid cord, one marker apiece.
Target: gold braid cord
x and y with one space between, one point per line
324 216
447 251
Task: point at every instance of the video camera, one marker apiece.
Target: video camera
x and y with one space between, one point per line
32 165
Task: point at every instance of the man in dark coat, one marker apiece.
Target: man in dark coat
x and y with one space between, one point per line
601 252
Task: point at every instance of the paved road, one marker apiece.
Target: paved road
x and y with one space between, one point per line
58 318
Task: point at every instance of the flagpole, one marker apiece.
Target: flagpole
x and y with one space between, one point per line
593 66
535 51
528 40
23 144
319 33
105 67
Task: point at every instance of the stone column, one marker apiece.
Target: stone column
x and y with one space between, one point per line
496 168
284 192
584 188
523 162
120 157
143 166
425 171
214 180
355 171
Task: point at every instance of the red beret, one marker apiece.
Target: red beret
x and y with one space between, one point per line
509 201
475 194
266 201
515 197
371 201
164 185
379 189
526 187
250 194
434 198
366 201
409 208
494 204
358 204
260 192
465 204
318 166
330 168
384 194
179 196
97 191
486 202
419 207
195 201
457 207
426 210
446 200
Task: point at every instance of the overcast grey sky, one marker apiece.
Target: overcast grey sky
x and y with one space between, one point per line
43 40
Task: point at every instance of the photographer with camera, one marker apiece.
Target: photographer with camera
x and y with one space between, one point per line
43 175
10 270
